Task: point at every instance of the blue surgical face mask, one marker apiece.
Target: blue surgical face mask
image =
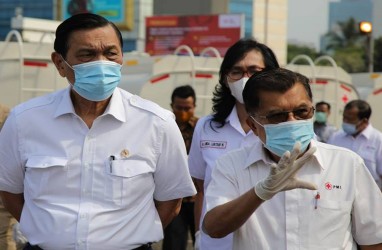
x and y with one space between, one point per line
349 128
96 80
281 137
320 117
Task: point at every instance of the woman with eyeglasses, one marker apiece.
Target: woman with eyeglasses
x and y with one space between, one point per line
226 128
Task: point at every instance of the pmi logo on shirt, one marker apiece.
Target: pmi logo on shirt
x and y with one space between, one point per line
213 144
330 186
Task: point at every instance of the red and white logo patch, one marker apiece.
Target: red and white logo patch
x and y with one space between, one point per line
330 186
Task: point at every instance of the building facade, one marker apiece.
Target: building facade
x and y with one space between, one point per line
342 11
44 9
265 20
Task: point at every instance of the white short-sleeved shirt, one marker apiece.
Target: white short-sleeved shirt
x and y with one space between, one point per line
75 197
208 144
349 207
368 144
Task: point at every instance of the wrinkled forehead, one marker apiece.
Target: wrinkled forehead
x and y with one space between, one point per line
294 97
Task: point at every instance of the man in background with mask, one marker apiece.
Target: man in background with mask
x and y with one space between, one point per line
330 200
92 166
360 136
183 103
322 128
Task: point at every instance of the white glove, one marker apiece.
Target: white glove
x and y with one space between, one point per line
18 237
197 240
282 175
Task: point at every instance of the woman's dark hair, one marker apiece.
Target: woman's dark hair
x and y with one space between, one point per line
83 21
223 102
274 80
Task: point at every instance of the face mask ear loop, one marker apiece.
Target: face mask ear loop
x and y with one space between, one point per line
66 62
72 84
253 118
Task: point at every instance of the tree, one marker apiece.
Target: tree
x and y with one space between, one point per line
295 50
346 34
351 59
346 45
378 54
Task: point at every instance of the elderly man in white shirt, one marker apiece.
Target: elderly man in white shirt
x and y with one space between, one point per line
92 166
358 135
289 191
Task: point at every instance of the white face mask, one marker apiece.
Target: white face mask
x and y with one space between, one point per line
237 88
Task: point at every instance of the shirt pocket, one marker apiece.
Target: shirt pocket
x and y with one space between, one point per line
327 226
43 174
128 181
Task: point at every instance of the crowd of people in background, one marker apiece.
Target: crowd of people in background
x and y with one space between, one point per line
95 167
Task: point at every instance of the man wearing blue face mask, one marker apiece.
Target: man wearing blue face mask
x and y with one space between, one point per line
92 166
289 191
322 128
360 136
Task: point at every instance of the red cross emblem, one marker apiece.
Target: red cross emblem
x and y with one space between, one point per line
345 98
328 186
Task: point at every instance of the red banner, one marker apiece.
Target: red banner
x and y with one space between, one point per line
165 33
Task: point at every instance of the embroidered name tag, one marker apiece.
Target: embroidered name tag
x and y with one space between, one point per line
213 144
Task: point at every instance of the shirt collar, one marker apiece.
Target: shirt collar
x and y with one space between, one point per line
258 153
233 119
367 132
318 154
116 108
65 105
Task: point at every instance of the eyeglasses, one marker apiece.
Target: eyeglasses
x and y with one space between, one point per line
303 113
237 74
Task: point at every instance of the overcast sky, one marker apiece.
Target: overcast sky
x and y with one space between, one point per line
307 21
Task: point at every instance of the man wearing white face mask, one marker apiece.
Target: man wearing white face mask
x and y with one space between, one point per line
226 129
92 166
360 136
288 191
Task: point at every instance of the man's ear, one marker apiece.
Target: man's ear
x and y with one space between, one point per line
365 121
251 124
59 63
